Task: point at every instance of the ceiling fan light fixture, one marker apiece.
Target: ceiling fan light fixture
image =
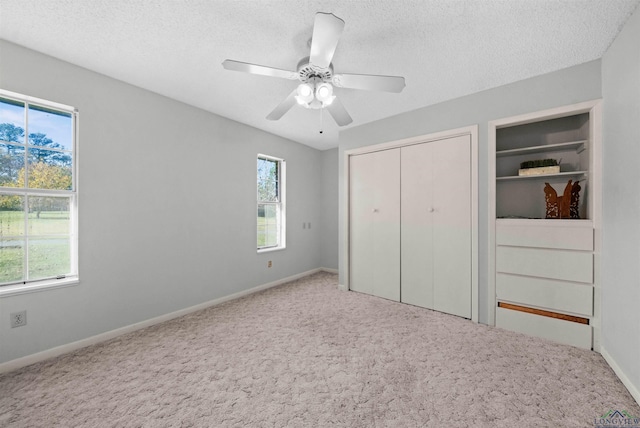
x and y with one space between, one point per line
315 105
324 93
305 94
328 101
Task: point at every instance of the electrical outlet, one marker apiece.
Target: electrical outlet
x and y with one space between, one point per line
269 264
18 319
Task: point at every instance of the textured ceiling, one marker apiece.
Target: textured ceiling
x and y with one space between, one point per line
444 48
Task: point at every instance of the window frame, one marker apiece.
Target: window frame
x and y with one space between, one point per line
72 277
280 205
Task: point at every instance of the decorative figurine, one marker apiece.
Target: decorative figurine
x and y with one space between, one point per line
565 206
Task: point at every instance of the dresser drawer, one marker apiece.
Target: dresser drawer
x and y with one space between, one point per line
575 236
542 263
567 332
555 295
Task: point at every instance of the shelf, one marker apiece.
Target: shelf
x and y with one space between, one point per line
544 222
543 177
578 146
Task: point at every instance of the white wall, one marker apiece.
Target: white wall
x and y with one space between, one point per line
329 208
621 204
564 87
167 207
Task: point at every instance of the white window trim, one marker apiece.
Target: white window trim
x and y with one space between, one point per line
74 278
282 241
31 287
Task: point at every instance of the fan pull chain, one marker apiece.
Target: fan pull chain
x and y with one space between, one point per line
321 120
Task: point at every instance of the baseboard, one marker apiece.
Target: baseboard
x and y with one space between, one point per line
330 270
634 390
69 347
343 287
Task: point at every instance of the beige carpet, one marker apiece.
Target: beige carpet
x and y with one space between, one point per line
307 355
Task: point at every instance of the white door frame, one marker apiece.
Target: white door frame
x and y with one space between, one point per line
472 131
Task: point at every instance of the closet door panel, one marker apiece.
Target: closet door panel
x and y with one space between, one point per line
374 195
452 225
416 229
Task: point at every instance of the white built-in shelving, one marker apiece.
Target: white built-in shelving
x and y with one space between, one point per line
543 278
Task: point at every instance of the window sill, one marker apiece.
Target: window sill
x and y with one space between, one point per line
270 250
14 290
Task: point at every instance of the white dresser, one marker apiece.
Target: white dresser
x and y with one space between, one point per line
544 279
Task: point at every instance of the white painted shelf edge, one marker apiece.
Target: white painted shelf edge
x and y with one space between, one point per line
554 222
543 176
578 146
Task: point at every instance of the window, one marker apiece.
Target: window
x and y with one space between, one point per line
271 208
38 202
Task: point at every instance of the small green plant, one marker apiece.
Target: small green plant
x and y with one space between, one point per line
538 163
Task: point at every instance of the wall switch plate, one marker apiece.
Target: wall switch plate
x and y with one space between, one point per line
18 319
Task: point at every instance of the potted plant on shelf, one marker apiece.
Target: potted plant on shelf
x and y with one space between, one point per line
539 167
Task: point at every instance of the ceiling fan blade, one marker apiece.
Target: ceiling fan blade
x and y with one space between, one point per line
339 113
230 64
327 30
369 82
284 106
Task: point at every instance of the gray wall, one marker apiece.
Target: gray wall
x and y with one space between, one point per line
329 225
621 201
167 207
568 86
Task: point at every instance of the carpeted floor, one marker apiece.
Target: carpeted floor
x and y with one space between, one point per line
307 355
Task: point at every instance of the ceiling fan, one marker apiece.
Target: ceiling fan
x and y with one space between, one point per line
315 73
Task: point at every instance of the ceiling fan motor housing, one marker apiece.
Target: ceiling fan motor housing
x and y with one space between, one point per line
307 72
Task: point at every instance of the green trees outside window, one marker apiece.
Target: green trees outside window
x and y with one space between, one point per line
37 191
270 206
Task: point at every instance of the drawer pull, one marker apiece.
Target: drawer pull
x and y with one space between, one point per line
544 313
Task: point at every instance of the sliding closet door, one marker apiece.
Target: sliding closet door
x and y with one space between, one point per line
374 224
436 225
452 226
